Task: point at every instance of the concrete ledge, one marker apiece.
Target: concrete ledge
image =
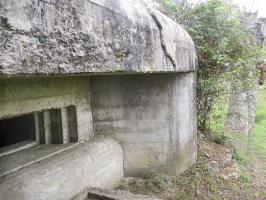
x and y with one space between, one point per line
28 156
93 164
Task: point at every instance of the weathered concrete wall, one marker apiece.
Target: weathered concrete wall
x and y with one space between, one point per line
263 25
153 116
184 121
62 37
242 111
22 96
95 164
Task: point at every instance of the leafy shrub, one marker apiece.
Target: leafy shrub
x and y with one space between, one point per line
226 49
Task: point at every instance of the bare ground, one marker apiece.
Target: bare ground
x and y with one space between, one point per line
216 175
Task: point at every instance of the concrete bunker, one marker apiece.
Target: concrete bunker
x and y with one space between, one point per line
108 90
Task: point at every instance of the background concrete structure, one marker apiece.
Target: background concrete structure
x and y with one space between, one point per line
94 69
243 101
263 25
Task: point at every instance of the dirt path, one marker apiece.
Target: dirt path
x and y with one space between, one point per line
258 177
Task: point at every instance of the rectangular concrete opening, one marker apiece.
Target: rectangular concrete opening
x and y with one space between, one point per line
17 130
56 126
31 138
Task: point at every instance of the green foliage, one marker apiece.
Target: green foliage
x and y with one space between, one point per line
263 194
180 11
220 138
226 47
241 158
218 120
155 179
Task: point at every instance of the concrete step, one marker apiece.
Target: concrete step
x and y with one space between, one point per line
101 194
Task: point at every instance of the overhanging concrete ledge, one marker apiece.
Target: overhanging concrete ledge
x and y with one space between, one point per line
93 36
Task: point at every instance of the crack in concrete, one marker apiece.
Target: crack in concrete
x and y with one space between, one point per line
157 22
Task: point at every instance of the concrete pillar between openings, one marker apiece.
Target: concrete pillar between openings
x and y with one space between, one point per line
65 125
37 128
47 127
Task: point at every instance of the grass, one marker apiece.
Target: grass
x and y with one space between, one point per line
260 124
220 133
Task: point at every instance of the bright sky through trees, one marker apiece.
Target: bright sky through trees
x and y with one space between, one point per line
248 5
253 6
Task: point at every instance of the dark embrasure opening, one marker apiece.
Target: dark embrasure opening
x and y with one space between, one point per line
17 129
